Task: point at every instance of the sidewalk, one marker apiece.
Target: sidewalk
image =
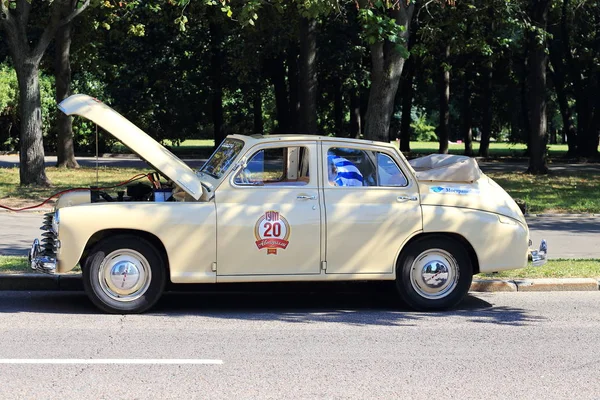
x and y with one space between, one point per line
72 282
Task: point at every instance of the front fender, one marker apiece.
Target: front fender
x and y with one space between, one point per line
187 231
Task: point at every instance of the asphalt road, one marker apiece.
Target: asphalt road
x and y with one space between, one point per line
335 346
567 237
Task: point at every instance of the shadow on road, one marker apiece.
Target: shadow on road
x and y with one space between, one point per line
364 308
356 304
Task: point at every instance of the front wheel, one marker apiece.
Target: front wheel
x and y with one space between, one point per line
124 274
434 273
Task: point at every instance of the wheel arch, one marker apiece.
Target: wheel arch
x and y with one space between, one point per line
455 236
149 237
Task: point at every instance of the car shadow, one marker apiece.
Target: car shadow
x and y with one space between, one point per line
364 308
358 304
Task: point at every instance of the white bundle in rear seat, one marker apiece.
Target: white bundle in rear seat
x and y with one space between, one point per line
446 167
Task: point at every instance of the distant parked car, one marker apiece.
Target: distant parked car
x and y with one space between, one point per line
284 208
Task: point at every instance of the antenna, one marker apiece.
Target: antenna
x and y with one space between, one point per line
97 185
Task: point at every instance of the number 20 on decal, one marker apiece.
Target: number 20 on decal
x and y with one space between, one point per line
272 232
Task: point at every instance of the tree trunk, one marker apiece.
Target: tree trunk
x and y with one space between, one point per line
216 66
486 123
294 90
407 98
467 114
581 94
569 131
408 90
558 76
386 70
308 76
338 108
257 109
444 93
31 155
355 115
538 61
62 73
282 106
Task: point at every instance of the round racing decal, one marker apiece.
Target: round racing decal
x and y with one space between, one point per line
272 232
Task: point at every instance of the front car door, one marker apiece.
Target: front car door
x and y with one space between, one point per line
371 205
269 213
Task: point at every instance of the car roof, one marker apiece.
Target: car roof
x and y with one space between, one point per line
299 137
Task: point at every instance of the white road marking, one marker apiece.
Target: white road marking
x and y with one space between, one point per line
149 361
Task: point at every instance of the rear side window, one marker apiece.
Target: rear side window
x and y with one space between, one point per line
355 167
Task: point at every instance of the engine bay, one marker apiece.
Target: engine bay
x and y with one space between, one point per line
154 191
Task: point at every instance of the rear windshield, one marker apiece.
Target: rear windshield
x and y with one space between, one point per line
221 160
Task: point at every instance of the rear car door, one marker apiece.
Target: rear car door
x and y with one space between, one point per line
371 205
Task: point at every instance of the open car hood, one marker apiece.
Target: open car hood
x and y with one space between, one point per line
137 140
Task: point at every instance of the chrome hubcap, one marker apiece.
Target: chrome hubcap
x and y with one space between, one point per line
434 274
124 275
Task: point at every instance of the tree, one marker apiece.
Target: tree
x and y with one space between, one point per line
387 32
538 61
26 56
65 151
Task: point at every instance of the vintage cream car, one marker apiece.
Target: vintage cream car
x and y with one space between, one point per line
284 208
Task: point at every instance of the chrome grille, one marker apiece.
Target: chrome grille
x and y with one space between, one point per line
48 245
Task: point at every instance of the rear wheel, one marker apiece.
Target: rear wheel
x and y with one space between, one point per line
434 273
124 274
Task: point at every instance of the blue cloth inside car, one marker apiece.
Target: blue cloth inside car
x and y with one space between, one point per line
343 172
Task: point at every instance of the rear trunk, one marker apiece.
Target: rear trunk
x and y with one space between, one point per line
456 181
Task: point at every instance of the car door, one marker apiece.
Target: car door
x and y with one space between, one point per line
371 205
269 213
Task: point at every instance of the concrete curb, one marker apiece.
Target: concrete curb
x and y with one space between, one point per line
32 211
584 215
72 282
536 285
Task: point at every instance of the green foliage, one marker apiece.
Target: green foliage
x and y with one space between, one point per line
378 26
422 130
9 102
9 108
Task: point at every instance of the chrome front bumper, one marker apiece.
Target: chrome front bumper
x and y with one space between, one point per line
40 262
43 256
539 257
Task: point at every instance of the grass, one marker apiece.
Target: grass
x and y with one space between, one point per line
497 149
19 265
12 194
553 269
559 193
12 264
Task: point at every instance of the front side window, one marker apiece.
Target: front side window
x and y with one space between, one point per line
355 167
279 166
221 160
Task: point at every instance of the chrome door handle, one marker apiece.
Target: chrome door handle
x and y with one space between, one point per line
305 197
405 198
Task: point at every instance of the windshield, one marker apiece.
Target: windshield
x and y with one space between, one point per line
222 158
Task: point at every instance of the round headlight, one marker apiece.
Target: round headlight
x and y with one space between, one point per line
55 222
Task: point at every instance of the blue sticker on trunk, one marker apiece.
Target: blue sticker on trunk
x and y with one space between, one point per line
453 190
